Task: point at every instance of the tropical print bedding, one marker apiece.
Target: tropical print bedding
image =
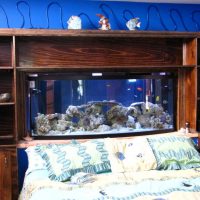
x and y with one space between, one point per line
150 185
153 167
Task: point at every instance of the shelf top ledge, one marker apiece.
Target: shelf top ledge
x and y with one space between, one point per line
95 33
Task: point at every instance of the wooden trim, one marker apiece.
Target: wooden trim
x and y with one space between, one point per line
25 144
14 86
190 52
95 33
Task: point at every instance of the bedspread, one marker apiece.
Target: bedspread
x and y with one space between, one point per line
151 185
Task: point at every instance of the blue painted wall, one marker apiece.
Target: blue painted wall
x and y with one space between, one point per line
54 14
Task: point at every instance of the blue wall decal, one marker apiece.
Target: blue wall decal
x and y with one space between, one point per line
50 14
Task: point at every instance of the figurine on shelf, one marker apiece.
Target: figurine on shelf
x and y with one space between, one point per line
104 22
133 24
74 22
5 97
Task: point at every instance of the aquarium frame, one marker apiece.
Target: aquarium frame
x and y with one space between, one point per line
34 76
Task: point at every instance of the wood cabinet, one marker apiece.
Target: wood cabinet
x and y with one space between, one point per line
39 51
24 51
8 160
8 173
5 175
34 51
7 90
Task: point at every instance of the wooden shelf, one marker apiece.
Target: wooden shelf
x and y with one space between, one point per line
95 33
7 104
4 67
6 137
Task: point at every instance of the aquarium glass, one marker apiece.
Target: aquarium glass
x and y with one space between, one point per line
98 104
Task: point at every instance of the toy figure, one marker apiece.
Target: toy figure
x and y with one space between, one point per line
104 22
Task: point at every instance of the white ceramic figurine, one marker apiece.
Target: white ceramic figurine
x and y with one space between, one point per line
74 22
133 24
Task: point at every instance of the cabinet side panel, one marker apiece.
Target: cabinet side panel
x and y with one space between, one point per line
5 51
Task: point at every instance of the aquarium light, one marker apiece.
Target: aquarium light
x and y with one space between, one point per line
131 80
97 74
33 75
162 73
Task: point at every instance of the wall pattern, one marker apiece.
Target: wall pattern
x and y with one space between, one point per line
50 14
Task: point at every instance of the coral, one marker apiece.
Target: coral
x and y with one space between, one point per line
117 114
73 111
144 121
91 122
42 124
103 128
93 109
103 116
63 125
133 111
130 122
117 126
138 125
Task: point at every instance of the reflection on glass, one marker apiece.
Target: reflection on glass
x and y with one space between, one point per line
89 106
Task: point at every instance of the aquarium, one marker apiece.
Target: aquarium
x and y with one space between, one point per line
99 104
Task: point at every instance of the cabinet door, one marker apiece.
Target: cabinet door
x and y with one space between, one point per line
5 176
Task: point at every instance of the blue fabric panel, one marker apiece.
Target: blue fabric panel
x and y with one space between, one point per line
22 166
195 140
50 14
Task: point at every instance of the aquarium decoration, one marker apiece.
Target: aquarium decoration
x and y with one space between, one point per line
67 105
91 118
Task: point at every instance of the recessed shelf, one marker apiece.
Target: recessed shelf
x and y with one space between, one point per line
5 137
5 67
7 104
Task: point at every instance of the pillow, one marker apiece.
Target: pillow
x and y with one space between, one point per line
63 161
35 162
174 152
130 155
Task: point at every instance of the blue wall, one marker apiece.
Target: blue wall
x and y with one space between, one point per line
54 14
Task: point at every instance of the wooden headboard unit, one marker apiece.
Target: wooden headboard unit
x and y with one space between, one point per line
96 51
33 51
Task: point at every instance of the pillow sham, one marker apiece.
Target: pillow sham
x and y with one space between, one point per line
174 152
63 161
35 162
133 154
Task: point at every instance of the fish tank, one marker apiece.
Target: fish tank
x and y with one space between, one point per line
100 104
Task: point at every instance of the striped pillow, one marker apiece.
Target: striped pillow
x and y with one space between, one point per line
174 152
63 161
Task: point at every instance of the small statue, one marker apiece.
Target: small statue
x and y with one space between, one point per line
5 97
104 22
133 24
74 22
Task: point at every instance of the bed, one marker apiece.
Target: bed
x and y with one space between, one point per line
162 167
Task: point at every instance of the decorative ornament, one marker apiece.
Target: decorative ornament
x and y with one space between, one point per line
74 22
133 24
104 22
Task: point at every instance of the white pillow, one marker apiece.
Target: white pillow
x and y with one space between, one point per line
35 161
134 154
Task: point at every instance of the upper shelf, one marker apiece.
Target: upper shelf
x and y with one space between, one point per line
96 33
